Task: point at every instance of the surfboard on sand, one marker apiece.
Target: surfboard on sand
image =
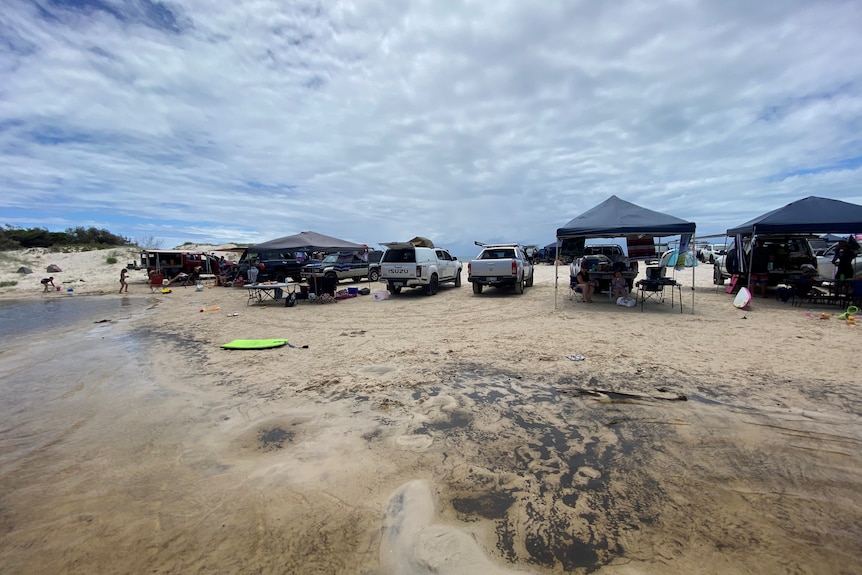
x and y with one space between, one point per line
254 343
742 299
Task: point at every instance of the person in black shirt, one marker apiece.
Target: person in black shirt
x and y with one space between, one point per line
843 260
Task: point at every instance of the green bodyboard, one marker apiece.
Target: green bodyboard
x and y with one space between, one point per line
254 343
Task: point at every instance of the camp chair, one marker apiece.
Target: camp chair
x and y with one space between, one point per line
651 289
854 296
575 289
155 280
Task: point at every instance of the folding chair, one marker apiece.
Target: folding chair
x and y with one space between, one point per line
575 289
855 295
650 289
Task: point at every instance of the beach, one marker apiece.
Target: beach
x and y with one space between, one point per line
445 434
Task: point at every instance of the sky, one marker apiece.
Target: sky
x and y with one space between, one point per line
209 121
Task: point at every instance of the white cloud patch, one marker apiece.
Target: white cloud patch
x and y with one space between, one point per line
460 121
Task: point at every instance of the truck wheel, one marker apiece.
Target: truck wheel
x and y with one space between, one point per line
394 289
458 279
530 281
332 276
477 287
279 277
432 286
717 278
373 275
297 278
519 286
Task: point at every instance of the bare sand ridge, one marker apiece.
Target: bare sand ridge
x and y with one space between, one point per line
445 434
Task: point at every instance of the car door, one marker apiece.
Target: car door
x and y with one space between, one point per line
445 265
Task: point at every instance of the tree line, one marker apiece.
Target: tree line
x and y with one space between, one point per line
13 238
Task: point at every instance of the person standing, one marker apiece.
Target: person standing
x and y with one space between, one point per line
843 261
124 285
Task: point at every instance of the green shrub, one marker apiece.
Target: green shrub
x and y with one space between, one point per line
8 284
111 260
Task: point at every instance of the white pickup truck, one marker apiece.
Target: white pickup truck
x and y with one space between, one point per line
500 265
407 265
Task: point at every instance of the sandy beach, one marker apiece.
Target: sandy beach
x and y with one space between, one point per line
445 434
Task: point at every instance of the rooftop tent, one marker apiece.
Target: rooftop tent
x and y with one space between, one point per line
308 241
615 218
811 215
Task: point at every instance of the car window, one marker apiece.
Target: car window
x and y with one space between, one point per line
399 255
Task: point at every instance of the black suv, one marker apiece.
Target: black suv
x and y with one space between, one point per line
274 265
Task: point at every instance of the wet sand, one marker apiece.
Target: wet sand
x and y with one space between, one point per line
434 435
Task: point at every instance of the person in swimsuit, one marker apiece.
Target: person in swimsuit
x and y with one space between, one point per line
124 286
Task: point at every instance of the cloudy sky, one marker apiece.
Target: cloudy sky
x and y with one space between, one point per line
379 120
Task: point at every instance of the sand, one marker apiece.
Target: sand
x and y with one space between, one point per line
444 434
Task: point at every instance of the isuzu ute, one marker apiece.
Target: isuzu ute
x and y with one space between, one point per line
407 265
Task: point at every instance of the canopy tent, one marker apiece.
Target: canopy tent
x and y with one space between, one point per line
616 218
307 242
811 215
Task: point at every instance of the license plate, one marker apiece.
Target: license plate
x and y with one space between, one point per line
492 279
398 284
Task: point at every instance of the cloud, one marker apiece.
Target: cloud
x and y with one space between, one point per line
460 121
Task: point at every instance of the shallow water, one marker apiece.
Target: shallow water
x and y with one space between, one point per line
114 460
60 311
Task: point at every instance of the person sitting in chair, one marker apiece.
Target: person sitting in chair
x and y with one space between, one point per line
586 285
619 287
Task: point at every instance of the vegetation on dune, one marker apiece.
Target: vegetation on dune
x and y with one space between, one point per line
13 238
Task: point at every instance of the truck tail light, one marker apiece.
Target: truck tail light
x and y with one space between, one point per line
514 268
418 271
469 268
